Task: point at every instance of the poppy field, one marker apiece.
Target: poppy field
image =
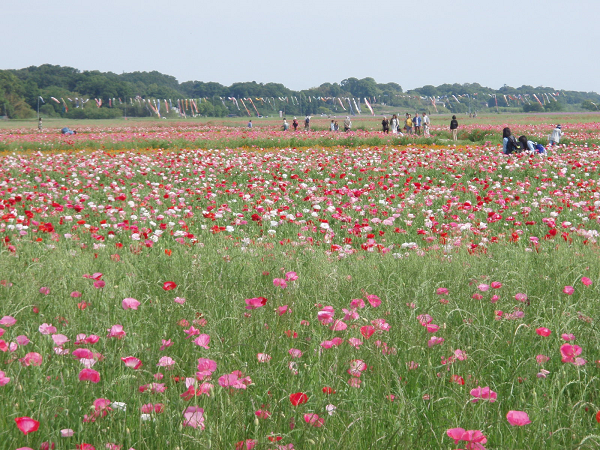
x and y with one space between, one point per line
309 297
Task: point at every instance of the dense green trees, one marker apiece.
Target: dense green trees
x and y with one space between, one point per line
20 90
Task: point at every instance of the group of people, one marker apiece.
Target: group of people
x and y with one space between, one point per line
417 124
295 124
511 145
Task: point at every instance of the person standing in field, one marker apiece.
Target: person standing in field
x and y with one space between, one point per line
295 124
408 124
336 126
395 124
332 125
40 124
426 123
454 128
347 124
307 123
286 125
417 123
385 124
555 136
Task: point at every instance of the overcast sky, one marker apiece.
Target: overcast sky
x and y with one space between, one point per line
304 43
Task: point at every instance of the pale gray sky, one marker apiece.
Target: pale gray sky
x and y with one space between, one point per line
304 43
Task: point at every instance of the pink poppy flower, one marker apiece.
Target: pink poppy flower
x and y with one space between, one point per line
202 341
235 380
82 353
295 353
545 332
373 300
326 314
22 340
442 291
338 325
32 359
568 337
166 361
484 393
67 432
193 417
424 319
357 367
521 297
432 328
586 281
45 290
569 290
357 303
99 284
460 355
116 331
205 368
569 352
281 310
27 424
541 359
130 303
132 362
483 287
254 303
263 357
355 342
279 282
435 341
89 375
60 339
169 285
75 294
456 434
8 321
517 418
165 344
314 420
3 378
154 388
496 285
350 314
179 300
291 276
47 328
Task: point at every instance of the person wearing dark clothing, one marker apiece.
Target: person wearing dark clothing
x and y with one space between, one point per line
509 142
454 128
386 125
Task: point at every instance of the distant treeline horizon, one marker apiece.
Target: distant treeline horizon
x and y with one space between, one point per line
57 91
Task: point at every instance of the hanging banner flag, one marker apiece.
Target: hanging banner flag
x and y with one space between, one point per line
254 107
341 104
369 106
355 106
455 98
538 100
242 100
56 100
433 103
40 97
506 100
65 108
166 106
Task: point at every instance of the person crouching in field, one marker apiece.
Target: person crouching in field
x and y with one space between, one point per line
509 142
531 147
555 136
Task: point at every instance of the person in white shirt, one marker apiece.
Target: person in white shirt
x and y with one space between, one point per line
426 123
555 136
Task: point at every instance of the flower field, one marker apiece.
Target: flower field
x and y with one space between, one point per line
339 296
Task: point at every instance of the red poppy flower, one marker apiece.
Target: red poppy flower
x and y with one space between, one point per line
27 424
169 285
298 398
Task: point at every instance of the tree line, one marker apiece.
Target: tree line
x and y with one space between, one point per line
95 94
